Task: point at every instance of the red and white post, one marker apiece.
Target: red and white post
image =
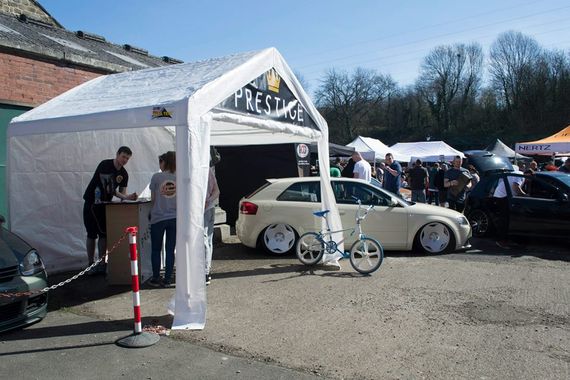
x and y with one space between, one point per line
132 231
138 338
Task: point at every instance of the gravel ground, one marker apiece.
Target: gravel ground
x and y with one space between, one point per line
486 313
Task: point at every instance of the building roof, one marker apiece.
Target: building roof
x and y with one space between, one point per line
30 36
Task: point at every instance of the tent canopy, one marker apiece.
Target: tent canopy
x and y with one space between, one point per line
557 143
374 149
501 149
427 151
53 150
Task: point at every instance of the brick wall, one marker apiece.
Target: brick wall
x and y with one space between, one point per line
27 81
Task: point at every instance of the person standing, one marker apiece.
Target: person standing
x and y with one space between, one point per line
212 196
362 169
109 175
439 183
418 177
457 180
433 191
163 218
392 175
500 204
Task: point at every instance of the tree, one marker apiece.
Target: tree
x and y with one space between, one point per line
450 77
513 58
346 100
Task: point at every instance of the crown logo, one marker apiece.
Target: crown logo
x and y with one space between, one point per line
273 80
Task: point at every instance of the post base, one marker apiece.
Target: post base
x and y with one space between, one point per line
143 339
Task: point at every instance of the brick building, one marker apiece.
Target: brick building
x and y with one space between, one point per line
40 59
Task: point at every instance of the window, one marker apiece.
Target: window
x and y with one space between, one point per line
345 192
302 192
539 189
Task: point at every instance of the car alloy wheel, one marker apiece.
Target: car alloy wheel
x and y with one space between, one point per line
436 238
480 223
278 239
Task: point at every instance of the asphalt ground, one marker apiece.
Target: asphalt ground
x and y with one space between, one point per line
485 313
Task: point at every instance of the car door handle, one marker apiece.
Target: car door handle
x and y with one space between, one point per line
341 212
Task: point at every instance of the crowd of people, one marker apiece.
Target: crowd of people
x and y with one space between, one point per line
440 183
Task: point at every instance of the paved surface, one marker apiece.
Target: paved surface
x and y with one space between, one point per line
70 346
487 313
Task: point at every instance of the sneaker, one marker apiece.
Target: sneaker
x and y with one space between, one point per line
154 282
166 283
503 244
208 279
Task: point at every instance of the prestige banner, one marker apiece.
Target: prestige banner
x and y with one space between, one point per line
268 97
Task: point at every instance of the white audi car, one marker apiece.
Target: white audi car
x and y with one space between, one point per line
276 214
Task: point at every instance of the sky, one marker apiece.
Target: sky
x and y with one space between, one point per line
315 36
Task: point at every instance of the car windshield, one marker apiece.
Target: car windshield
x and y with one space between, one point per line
565 179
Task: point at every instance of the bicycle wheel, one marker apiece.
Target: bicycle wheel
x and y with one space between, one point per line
310 248
366 255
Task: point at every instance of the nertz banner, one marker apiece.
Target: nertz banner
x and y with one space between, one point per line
269 97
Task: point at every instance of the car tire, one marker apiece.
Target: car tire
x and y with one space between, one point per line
435 239
481 223
278 239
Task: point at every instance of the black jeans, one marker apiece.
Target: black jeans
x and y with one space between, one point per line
500 216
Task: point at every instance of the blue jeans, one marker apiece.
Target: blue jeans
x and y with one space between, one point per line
209 218
157 231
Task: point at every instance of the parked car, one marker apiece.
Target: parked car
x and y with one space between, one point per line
486 162
544 212
21 270
277 213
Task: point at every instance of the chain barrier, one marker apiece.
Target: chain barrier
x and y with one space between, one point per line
65 282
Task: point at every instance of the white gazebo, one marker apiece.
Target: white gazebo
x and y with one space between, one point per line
242 99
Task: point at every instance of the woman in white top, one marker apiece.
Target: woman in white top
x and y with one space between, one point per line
163 217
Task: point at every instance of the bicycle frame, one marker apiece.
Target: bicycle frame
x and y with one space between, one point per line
331 245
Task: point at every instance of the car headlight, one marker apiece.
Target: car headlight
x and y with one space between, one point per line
462 221
31 264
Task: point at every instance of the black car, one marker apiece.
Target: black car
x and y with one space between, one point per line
21 270
487 163
544 211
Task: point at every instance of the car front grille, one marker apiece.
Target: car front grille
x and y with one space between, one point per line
36 302
10 311
8 273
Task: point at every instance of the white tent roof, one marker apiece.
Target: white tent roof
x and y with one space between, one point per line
53 150
429 151
374 149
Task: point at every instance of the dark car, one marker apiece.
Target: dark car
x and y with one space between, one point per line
21 270
486 162
544 211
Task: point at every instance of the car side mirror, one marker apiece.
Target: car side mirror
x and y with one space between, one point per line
2 220
393 203
562 197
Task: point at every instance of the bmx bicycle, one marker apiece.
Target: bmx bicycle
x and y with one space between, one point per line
366 254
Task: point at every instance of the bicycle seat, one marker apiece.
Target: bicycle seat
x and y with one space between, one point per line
321 213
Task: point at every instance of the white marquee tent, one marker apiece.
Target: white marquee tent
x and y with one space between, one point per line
427 151
243 99
374 149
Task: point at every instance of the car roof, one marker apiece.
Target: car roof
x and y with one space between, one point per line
311 179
